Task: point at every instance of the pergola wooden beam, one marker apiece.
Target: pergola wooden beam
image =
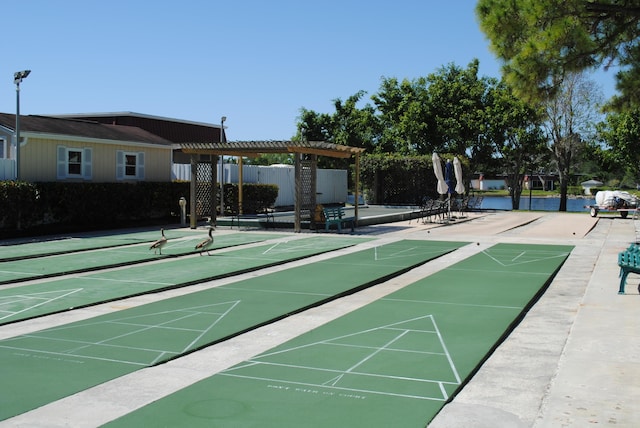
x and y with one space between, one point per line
320 152
255 148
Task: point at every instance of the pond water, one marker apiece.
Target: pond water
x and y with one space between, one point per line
537 203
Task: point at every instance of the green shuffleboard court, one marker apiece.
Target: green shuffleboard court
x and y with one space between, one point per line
45 266
52 296
62 245
393 363
50 364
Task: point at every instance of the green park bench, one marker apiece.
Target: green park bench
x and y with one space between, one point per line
336 215
629 262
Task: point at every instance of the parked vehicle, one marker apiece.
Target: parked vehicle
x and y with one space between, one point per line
614 200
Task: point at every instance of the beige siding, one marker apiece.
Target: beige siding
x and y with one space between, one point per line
38 160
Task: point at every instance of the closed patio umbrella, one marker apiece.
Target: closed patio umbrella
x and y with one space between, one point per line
448 176
443 189
437 169
457 168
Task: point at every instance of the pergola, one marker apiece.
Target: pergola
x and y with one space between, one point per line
305 152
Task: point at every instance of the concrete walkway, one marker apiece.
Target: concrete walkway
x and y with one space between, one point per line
574 360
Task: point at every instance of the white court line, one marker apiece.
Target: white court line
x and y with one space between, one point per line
377 351
393 255
511 272
446 351
137 281
80 357
271 247
346 345
133 317
301 293
129 333
15 272
539 259
73 352
455 304
31 296
220 317
389 394
335 341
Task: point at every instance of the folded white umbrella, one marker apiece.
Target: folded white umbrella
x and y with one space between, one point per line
437 169
457 169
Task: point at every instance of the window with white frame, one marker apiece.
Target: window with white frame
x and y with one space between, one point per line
74 163
4 150
129 165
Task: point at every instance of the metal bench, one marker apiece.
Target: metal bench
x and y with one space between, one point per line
336 215
428 209
265 217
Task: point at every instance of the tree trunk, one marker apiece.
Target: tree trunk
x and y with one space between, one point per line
514 181
564 185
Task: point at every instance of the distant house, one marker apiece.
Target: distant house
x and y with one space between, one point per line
590 184
107 147
175 130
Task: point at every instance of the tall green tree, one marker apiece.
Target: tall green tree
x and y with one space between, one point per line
402 110
442 112
353 126
541 41
348 125
514 128
313 126
618 149
458 98
570 119
452 111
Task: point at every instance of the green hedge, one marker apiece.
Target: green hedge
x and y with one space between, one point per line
20 204
42 208
397 179
255 197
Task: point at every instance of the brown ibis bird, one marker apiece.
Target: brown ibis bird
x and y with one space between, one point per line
206 243
157 246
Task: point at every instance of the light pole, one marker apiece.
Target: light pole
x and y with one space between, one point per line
17 79
223 139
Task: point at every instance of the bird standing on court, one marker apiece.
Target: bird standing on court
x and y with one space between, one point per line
206 243
157 246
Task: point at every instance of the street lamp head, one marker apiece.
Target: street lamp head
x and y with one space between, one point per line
19 75
224 118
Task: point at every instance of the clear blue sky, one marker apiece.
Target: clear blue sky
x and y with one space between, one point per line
257 62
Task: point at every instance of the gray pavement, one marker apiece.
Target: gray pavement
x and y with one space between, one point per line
573 361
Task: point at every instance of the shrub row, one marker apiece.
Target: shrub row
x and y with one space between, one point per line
44 208
255 197
394 179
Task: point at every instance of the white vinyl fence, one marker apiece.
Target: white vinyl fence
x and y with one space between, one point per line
331 184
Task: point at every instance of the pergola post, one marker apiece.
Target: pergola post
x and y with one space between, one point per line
356 192
240 186
313 200
214 190
297 223
192 192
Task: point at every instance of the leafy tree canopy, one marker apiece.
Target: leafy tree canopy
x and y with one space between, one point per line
540 41
618 149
